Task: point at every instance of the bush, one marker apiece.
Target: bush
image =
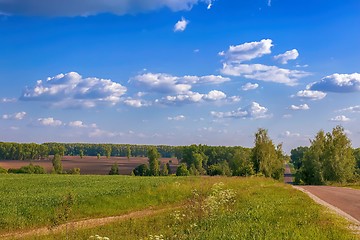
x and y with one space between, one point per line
74 171
114 169
221 169
182 170
141 170
2 170
30 169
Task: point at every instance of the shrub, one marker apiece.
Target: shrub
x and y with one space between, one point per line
182 170
74 171
141 170
2 170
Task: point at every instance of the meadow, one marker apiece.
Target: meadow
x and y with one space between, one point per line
195 207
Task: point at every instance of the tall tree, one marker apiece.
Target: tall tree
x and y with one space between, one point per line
339 161
57 164
154 167
265 157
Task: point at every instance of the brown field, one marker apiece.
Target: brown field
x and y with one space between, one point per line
89 164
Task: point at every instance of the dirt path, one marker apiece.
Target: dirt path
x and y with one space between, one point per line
88 223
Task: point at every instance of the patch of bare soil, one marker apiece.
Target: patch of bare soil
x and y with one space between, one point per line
91 164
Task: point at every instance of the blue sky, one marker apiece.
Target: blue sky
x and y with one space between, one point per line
178 72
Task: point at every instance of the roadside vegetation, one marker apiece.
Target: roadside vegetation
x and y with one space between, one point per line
330 159
221 208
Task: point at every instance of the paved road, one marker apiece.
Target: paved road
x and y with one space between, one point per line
288 177
345 199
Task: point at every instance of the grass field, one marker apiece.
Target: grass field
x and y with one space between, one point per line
263 208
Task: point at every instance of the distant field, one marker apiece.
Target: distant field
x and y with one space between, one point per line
263 208
90 164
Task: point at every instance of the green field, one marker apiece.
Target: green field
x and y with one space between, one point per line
238 208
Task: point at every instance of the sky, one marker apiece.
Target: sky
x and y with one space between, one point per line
178 72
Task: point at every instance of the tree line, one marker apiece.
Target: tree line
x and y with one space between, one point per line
329 158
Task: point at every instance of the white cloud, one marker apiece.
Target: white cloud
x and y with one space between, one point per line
72 90
93 7
137 103
300 107
8 100
342 83
290 134
288 55
177 118
96 133
247 51
353 109
165 83
49 122
312 95
193 97
77 124
253 111
287 116
264 73
214 95
181 25
340 118
249 86
15 116
234 99
235 57
269 3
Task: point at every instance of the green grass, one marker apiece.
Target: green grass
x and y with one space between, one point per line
264 209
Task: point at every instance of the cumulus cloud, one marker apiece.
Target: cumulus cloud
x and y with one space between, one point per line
15 116
177 118
81 124
312 95
340 118
193 97
137 103
249 86
214 95
49 122
264 73
72 90
253 111
93 7
181 25
247 51
341 83
300 107
235 56
166 83
287 56
353 109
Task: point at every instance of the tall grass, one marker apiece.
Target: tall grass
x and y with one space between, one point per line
241 208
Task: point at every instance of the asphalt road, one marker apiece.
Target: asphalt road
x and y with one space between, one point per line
345 199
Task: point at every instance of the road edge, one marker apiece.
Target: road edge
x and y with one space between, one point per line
355 224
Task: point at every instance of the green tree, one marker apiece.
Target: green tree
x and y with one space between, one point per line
164 170
265 156
339 161
107 150
114 169
297 154
81 153
240 163
128 151
141 170
182 170
311 171
168 168
57 164
153 156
